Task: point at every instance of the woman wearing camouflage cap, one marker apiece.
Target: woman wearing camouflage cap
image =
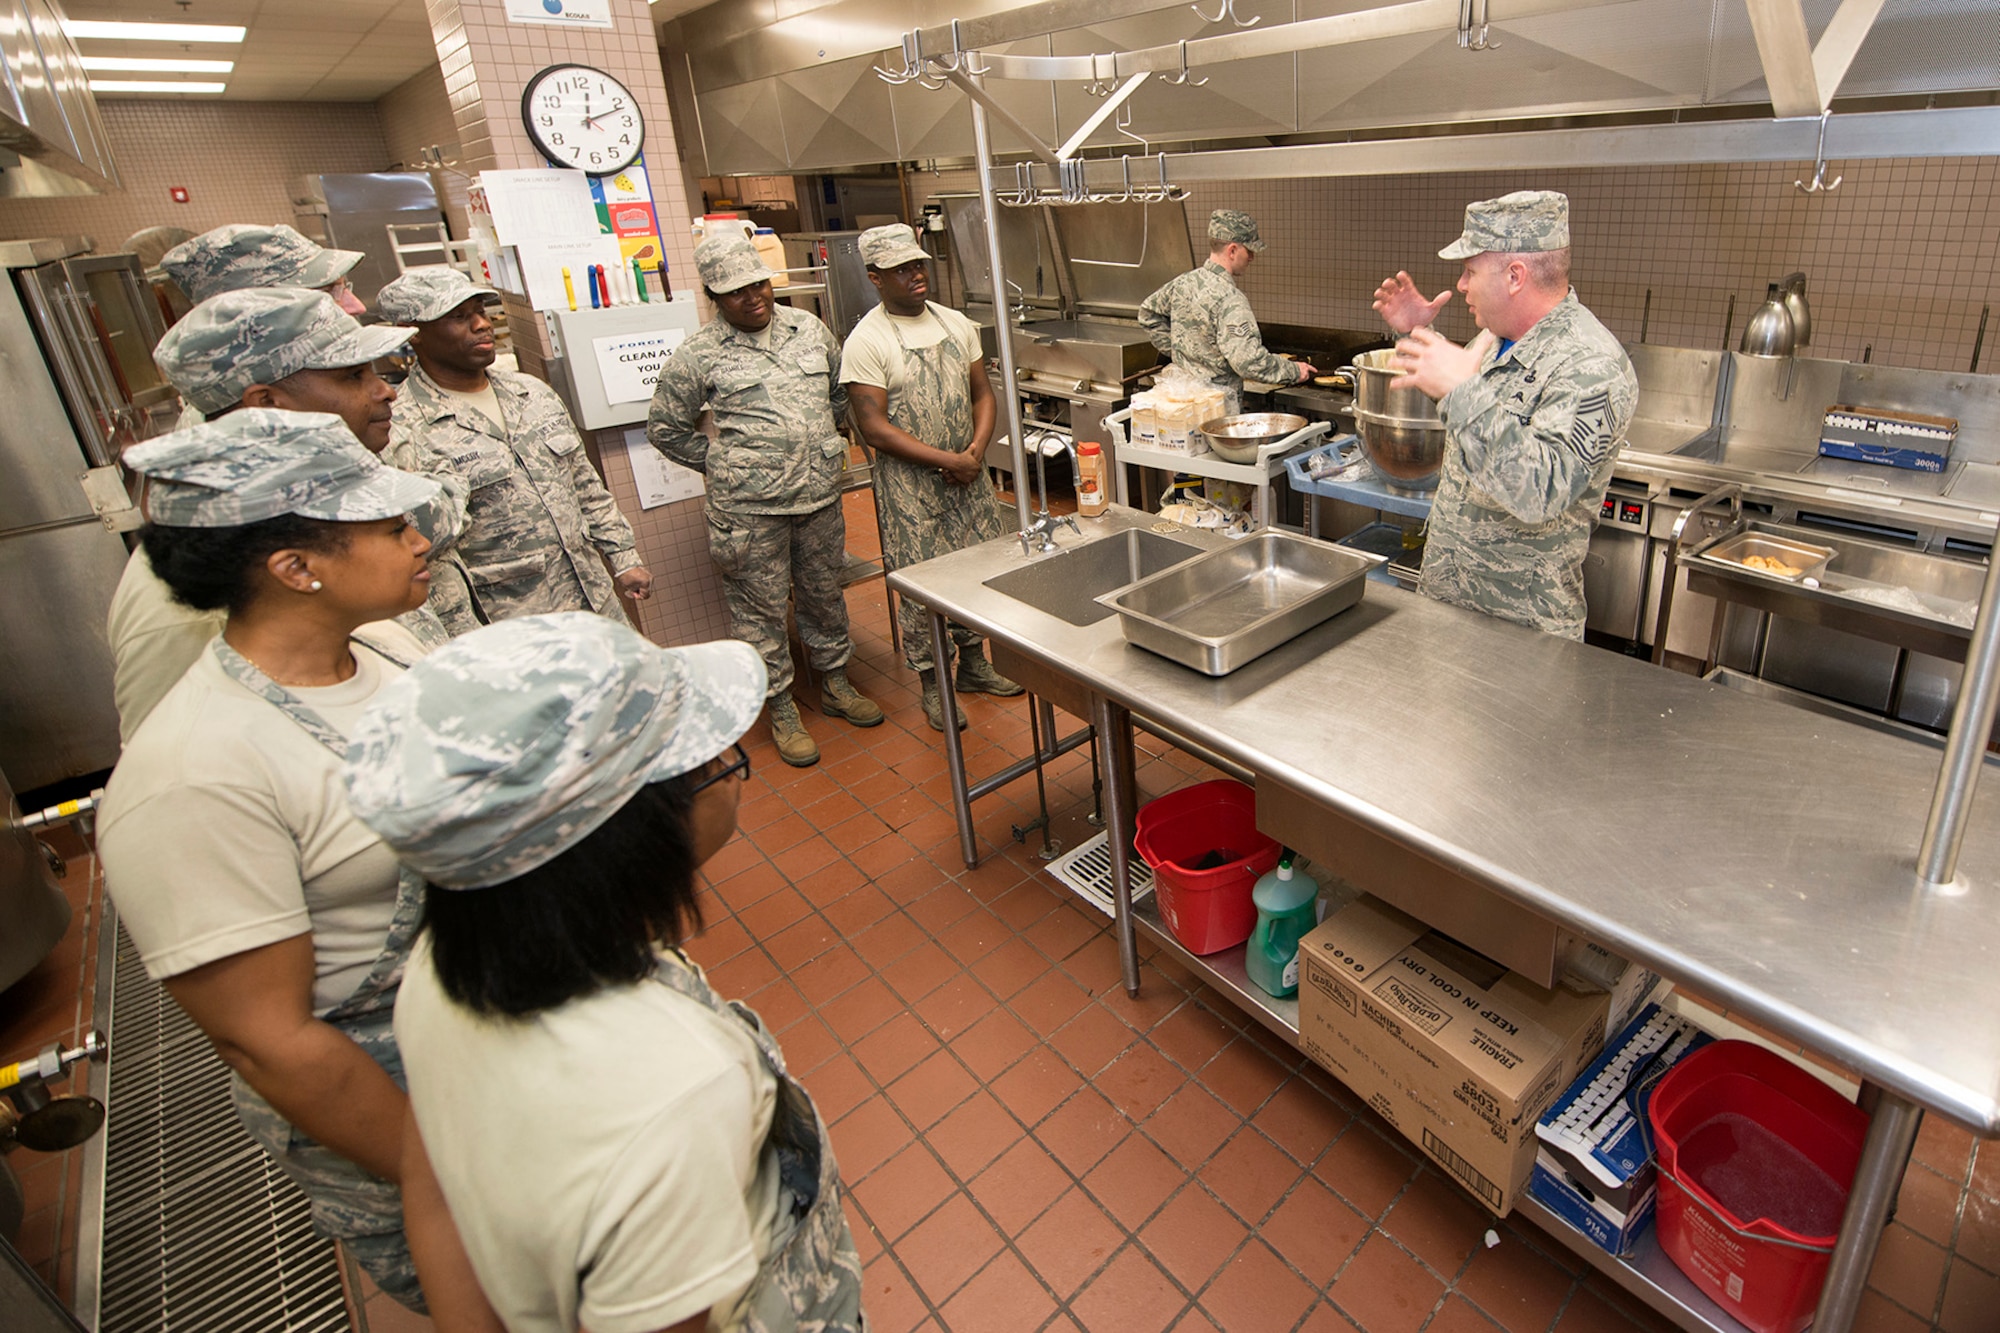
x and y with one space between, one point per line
557 780
268 911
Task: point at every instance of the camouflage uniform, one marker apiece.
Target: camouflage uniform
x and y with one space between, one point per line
230 258
1203 322
255 464
512 745
775 527
1532 441
922 514
539 520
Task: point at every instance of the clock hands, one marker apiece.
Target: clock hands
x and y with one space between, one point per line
589 120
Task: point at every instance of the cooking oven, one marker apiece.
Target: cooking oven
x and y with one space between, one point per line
76 335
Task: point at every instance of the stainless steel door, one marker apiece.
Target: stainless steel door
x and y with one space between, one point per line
1614 580
57 719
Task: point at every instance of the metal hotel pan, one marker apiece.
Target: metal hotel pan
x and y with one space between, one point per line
1234 604
1808 559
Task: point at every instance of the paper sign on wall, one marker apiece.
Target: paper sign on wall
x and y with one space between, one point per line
629 363
544 204
660 480
561 13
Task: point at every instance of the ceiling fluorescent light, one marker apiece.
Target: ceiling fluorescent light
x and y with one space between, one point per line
153 86
152 32
149 65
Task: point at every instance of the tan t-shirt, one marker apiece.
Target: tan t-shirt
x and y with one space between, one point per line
873 354
154 639
486 402
643 1199
225 828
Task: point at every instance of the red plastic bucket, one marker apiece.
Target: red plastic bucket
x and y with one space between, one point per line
1206 853
1756 1158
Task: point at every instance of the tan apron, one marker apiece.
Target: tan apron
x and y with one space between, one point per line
347 1201
811 1280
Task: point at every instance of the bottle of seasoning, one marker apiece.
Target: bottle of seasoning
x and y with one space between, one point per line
1090 480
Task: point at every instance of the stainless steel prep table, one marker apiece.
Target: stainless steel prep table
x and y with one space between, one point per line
1761 855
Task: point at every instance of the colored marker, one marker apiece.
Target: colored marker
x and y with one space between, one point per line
603 287
639 280
590 281
569 288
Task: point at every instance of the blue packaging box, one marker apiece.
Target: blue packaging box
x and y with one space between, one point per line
1593 1160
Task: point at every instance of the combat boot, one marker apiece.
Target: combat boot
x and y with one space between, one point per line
934 703
839 698
976 675
795 746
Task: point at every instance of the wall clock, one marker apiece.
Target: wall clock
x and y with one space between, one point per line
582 117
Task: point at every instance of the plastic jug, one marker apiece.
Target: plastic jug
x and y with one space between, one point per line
717 224
1090 497
772 251
1286 912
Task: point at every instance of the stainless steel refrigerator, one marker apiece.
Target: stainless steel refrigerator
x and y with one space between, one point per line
354 212
77 334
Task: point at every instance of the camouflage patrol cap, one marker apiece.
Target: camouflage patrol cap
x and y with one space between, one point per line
1525 222
427 293
260 462
231 258
890 247
260 335
729 263
1227 224
512 744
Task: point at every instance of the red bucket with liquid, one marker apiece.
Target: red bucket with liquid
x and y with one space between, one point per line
1756 1158
1206 853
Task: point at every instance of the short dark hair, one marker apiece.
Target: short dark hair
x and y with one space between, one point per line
591 918
215 569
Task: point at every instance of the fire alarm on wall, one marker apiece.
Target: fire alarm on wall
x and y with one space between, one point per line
178 193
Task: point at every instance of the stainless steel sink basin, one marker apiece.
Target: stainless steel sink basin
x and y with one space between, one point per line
1064 585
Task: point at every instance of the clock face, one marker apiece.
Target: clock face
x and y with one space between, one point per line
582 117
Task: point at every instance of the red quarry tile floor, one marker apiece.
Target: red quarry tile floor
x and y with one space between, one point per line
1027 1148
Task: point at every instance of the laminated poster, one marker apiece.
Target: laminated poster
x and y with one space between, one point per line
659 479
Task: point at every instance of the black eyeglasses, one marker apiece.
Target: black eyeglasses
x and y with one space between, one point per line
740 765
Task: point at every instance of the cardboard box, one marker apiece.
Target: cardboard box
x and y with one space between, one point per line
1887 437
1451 1048
1595 1166
1613 1230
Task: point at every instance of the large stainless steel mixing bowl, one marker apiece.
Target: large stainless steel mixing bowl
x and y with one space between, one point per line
1401 434
1236 439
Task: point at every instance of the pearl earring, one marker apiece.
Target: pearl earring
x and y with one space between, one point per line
317 585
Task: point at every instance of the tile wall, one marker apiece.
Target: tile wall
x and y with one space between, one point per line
235 158
484 62
414 115
1900 260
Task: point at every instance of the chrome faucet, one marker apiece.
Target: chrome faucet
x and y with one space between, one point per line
1040 535
1020 306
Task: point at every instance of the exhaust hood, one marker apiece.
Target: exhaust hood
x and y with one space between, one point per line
794 86
52 141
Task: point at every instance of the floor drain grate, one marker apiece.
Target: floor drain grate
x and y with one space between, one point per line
201 1231
1087 871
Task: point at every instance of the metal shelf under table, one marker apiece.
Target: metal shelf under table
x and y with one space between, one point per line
1647 1273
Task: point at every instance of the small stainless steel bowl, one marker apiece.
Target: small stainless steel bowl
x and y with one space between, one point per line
1236 439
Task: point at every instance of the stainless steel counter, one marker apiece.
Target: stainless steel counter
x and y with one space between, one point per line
1760 855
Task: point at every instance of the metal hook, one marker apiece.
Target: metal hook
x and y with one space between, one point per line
1123 124
1182 77
1820 184
912 62
1472 13
1227 10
